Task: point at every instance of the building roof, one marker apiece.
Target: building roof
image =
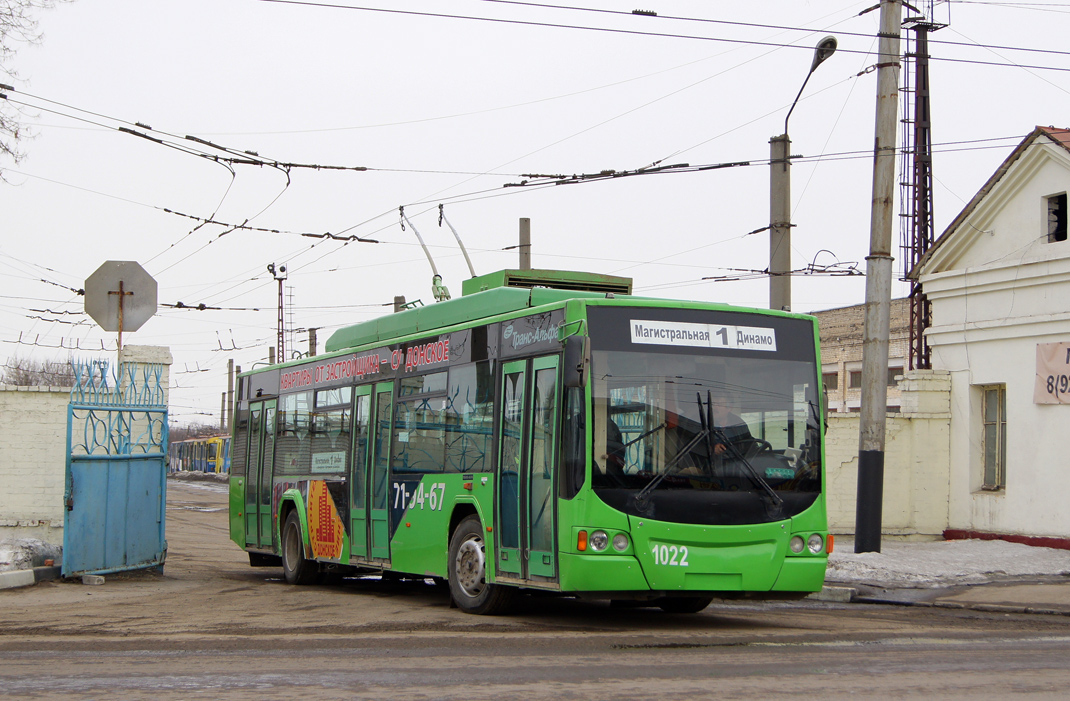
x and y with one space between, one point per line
1060 137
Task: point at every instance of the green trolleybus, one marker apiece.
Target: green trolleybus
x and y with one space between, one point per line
547 431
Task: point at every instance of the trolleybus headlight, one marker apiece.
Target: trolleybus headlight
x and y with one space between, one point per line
815 543
620 542
797 544
599 541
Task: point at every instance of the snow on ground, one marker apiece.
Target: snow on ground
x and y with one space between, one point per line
943 563
27 553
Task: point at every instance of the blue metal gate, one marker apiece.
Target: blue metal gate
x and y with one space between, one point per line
116 469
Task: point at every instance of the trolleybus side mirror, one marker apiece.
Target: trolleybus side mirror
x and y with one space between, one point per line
574 361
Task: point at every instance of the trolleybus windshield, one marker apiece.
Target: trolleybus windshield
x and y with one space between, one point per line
698 435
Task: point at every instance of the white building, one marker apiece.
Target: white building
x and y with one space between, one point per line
999 282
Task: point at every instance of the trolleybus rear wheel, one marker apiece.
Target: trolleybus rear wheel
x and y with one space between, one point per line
295 567
683 604
468 572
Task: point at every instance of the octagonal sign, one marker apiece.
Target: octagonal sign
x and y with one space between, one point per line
119 280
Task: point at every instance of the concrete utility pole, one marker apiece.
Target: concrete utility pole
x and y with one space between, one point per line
780 196
780 222
878 290
230 395
312 341
525 243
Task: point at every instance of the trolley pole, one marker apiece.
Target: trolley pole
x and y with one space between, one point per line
878 290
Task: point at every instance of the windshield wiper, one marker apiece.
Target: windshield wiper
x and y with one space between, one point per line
713 432
641 496
758 479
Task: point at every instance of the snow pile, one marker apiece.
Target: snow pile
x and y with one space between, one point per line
943 563
27 553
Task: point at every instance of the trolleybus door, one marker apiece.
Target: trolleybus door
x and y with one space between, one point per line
267 462
526 462
379 474
358 480
252 473
541 467
258 474
510 459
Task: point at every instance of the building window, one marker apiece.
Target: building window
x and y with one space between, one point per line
831 380
994 437
855 379
892 373
1057 218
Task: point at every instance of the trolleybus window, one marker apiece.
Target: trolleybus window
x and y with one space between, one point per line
469 417
701 438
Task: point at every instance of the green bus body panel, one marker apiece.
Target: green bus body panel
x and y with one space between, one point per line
802 574
237 509
462 310
421 540
708 558
601 572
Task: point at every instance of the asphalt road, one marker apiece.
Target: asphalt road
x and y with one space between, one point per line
211 626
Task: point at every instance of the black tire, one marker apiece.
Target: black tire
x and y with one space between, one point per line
295 567
683 604
468 573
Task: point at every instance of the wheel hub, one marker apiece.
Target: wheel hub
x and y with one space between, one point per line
471 566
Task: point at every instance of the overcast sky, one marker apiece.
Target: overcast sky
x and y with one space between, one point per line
451 110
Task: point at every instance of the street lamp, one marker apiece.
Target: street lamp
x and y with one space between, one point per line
780 196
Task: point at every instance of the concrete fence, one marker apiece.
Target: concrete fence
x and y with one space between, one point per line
916 461
33 444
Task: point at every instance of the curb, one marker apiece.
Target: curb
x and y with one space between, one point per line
17 578
839 595
27 578
958 605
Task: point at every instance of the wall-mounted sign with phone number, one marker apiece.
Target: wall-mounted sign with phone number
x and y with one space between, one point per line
1053 374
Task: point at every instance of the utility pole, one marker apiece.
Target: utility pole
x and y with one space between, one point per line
780 196
228 412
916 173
780 222
312 342
525 243
280 274
878 289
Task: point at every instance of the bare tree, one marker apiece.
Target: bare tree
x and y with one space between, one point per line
28 372
18 25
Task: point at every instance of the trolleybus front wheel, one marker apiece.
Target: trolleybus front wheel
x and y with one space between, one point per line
468 572
295 567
